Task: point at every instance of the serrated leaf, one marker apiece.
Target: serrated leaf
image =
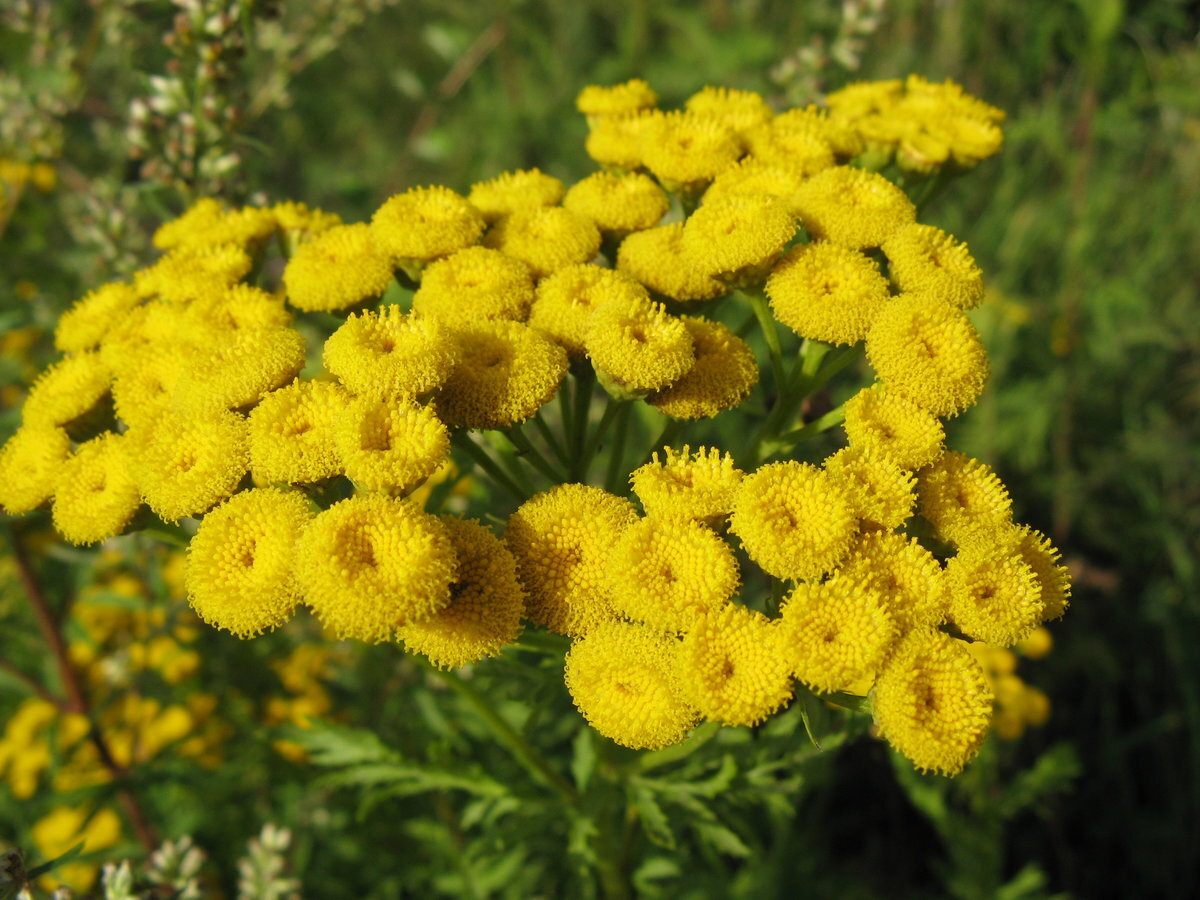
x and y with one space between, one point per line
654 820
583 757
340 745
722 839
710 787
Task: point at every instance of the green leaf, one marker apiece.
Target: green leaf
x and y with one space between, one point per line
340 745
654 820
583 758
722 839
37 871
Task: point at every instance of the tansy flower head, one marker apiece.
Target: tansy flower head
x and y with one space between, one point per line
618 202
239 307
853 207
241 563
860 98
299 222
733 666
618 100
236 373
925 260
370 564
881 493
929 352
189 272
30 462
96 494
667 571
961 496
473 284
721 377
616 141
156 325
566 300
740 110
825 292
486 602
341 267
205 223
932 702
546 238
904 573
886 424
803 147
389 445
562 540
506 372
67 390
1039 554
425 223
686 151
655 258
624 680
842 137
700 485
757 176
291 433
510 191
390 354
836 633
85 324
793 520
637 346
994 595
737 238
187 463
143 388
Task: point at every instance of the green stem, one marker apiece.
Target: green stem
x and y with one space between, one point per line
550 437
480 457
524 752
811 429
585 380
766 322
533 455
616 458
593 443
659 758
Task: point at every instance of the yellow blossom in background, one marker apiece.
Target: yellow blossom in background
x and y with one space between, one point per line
853 207
509 191
96 493
625 680
63 828
342 267
739 110
619 203
615 141
751 175
801 146
189 272
30 463
205 223
546 238
425 223
187 463
84 325
685 151
145 385
236 372
67 390
618 100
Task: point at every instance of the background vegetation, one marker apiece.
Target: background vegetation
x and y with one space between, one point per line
1087 226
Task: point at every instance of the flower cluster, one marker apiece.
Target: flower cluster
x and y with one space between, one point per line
202 389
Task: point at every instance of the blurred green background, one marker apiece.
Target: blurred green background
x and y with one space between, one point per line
1087 227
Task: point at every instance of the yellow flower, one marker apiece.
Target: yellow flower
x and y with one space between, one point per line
30 463
343 266
486 602
192 271
618 100
187 463
655 258
739 110
1054 579
863 97
237 307
842 137
1040 642
700 485
96 494
205 223
829 293
881 493
389 354
299 222
143 388
425 223
237 372
638 346
566 300
369 564
853 207
994 595
686 151
291 433
793 520
733 666
752 175
618 203
153 326
389 445
616 141
932 702
64 827
929 352
624 680
905 573
836 633
85 324
721 377
547 238
67 390
241 563
736 239
506 372
925 260
801 145
960 496
667 571
510 191
473 284
886 424
562 540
